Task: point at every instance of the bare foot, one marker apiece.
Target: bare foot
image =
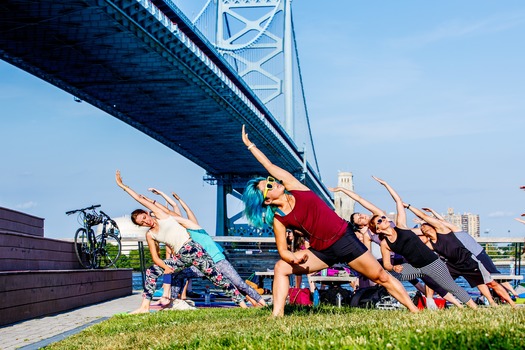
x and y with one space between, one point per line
139 311
163 302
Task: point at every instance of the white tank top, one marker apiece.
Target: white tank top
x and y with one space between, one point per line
171 233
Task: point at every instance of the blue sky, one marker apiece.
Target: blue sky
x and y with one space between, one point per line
426 95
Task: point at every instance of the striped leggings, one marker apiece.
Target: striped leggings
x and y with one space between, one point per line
192 254
438 272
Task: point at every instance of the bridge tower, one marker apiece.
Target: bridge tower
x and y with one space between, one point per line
256 38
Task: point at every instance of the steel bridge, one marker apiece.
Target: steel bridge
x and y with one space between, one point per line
145 63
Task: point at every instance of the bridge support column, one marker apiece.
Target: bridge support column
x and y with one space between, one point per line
222 222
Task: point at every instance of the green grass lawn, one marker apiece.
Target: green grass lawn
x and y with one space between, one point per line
325 327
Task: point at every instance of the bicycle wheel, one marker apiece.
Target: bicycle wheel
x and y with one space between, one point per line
83 249
108 250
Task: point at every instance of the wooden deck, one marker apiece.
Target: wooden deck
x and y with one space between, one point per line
41 276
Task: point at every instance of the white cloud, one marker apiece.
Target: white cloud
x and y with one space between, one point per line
459 29
501 214
27 205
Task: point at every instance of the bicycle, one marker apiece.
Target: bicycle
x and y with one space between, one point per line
96 251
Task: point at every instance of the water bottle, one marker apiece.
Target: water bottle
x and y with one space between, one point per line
316 300
338 299
207 295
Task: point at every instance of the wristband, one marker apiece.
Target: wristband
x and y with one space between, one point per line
251 146
408 206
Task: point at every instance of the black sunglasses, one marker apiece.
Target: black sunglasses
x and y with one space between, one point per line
380 220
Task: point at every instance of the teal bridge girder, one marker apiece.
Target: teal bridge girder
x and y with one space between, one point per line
141 62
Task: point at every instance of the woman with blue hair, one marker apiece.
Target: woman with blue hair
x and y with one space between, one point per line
288 204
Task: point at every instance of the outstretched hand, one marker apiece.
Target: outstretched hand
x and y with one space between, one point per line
245 138
153 190
382 182
334 189
118 178
418 221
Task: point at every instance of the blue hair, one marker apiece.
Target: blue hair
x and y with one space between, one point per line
255 210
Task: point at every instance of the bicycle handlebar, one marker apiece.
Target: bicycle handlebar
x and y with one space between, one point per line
83 209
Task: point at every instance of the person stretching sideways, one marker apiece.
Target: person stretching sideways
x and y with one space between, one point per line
167 229
288 203
421 259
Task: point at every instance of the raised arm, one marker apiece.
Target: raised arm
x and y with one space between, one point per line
159 206
433 212
139 198
401 217
189 212
363 202
289 181
520 220
450 226
436 223
176 209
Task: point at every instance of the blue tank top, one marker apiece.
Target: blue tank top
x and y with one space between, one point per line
209 245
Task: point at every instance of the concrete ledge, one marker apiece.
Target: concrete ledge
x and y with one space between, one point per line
29 294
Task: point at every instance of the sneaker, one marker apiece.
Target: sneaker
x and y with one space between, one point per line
431 304
189 302
181 305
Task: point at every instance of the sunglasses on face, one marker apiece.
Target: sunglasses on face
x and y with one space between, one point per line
380 220
269 185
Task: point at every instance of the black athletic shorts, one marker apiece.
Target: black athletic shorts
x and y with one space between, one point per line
344 250
473 277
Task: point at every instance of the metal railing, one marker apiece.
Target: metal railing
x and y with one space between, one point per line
505 252
250 254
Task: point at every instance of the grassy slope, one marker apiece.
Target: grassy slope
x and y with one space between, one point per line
304 328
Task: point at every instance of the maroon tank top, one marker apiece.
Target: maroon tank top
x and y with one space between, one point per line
315 219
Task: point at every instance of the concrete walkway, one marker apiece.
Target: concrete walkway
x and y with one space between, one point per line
39 332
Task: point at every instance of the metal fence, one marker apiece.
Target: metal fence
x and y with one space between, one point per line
250 254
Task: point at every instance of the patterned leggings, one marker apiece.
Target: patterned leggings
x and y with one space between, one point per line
438 272
227 270
191 254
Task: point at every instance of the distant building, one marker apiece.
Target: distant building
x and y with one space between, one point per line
344 205
467 221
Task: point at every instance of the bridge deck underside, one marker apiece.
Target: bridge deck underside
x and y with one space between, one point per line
105 60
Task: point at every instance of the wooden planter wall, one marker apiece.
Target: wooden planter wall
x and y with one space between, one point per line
41 276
